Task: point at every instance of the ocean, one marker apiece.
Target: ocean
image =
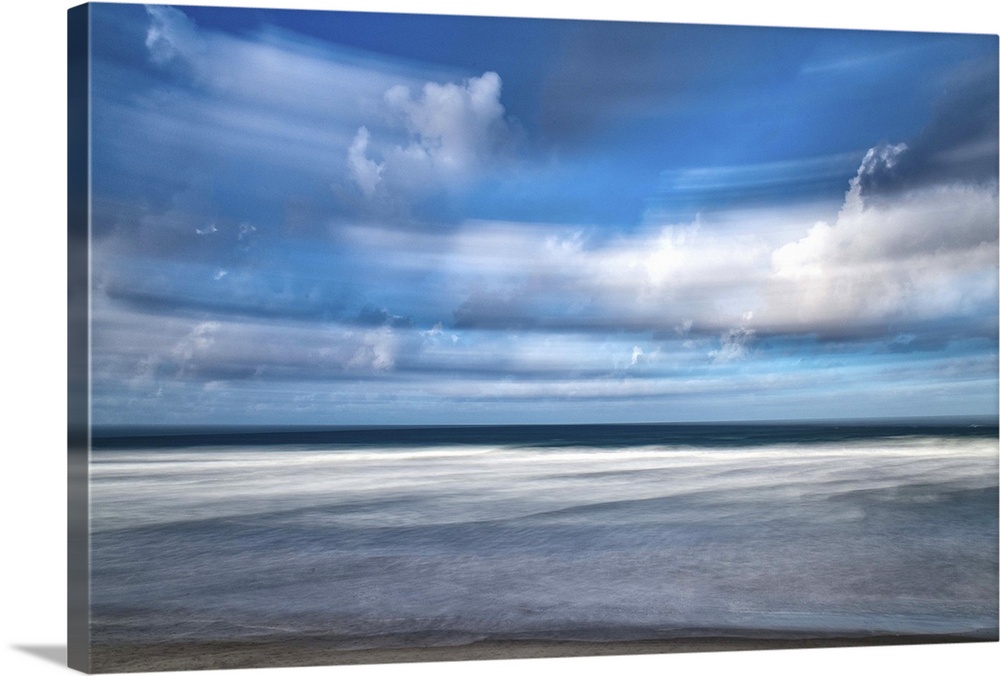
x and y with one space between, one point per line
448 536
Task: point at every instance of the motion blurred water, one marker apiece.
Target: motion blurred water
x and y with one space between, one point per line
643 532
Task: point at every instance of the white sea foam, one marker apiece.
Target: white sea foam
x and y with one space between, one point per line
447 484
889 535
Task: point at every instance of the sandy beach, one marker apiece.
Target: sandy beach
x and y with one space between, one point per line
180 656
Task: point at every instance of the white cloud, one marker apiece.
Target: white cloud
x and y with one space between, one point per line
198 341
377 351
879 265
735 343
674 278
365 172
152 351
686 275
638 356
453 129
269 99
924 254
273 71
454 126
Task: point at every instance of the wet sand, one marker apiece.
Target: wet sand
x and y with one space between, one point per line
181 656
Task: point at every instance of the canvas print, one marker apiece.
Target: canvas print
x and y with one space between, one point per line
414 337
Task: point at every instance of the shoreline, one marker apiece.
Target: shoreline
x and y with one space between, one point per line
316 651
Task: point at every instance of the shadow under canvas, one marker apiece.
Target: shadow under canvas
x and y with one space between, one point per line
49 653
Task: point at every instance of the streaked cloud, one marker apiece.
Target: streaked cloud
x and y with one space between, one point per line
454 131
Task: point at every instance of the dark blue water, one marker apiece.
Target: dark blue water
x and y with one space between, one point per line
612 532
717 435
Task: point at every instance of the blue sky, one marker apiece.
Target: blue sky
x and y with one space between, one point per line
337 218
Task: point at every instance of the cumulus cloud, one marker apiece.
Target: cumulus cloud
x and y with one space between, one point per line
638 356
366 173
453 130
929 252
376 353
880 266
454 126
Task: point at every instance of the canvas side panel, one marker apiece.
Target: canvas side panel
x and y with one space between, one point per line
78 301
